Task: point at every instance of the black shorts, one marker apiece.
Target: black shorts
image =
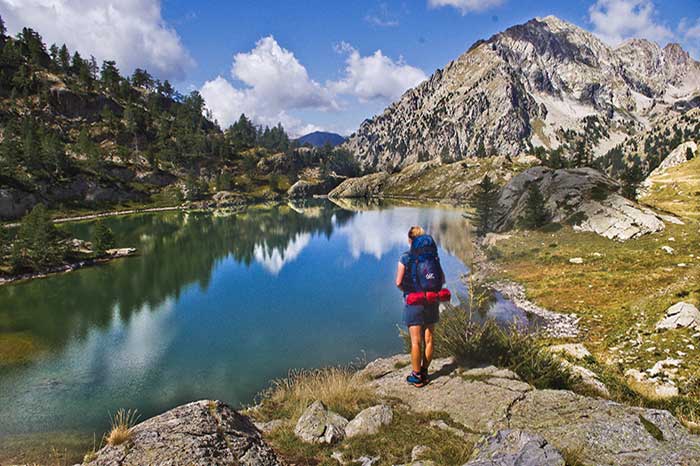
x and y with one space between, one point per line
421 314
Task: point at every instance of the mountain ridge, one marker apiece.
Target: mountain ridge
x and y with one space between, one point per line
542 85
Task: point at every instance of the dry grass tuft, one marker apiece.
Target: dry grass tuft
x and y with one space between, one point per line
122 424
339 388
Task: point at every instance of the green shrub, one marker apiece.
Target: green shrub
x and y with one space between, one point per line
102 238
38 244
472 343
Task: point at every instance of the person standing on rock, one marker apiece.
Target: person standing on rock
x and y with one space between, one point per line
420 318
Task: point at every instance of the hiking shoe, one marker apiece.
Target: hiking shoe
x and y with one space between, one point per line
415 379
424 375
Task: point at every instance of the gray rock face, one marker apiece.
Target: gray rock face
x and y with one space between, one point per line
369 420
511 447
304 188
603 431
319 425
680 315
14 203
582 196
531 84
74 105
200 433
364 187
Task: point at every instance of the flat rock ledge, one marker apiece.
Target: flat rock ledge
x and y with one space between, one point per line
201 433
554 324
487 400
512 447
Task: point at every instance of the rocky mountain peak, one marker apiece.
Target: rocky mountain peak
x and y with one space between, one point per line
545 83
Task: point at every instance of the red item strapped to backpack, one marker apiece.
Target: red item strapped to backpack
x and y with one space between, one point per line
420 297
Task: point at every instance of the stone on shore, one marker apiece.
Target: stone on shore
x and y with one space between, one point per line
199 433
320 425
369 420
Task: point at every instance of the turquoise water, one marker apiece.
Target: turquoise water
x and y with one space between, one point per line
212 307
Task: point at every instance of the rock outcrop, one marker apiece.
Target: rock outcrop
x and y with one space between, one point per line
200 434
583 197
680 315
320 425
368 421
546 83
486 401
511 447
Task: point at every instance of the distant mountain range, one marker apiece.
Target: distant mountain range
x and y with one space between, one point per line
321 138
546 85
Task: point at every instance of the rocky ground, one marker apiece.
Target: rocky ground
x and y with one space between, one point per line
501 419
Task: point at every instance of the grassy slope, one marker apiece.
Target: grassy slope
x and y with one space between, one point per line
677 190
620 291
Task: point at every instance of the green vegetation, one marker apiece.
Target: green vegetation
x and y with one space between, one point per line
65 120
484 202
38 245
103 238
393 443
472 343
535 214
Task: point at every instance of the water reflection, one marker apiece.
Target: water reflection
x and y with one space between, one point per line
213 307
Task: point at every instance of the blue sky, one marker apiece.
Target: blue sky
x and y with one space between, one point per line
318 64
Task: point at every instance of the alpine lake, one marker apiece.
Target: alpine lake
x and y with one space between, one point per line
215 305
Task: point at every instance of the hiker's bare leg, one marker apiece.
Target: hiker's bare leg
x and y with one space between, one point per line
428 339
416 333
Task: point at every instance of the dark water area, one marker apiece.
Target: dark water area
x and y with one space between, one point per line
214 306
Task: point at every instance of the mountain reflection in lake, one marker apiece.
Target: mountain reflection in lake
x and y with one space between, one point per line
213 307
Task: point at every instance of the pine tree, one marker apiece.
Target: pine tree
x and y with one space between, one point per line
64 59
484 203
110 76
535 214
631 178
38 244
102 239
3 30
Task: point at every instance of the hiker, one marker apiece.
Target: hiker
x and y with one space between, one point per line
418 273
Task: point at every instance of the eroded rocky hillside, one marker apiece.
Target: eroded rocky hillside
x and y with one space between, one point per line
537 87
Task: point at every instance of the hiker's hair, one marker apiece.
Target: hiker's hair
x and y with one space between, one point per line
415 232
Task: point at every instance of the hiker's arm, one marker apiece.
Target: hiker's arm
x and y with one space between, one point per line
399 275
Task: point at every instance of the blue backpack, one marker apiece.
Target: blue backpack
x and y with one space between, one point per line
425 270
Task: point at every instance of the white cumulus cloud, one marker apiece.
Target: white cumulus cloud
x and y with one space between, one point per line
617 20
466 6
274 83
375 76
269 84
131 32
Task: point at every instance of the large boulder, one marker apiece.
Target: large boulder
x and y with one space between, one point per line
363 187
200 433
680 315
319 425
369 420
309 188
583 197
512 447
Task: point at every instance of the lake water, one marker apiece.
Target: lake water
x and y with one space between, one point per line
212 307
